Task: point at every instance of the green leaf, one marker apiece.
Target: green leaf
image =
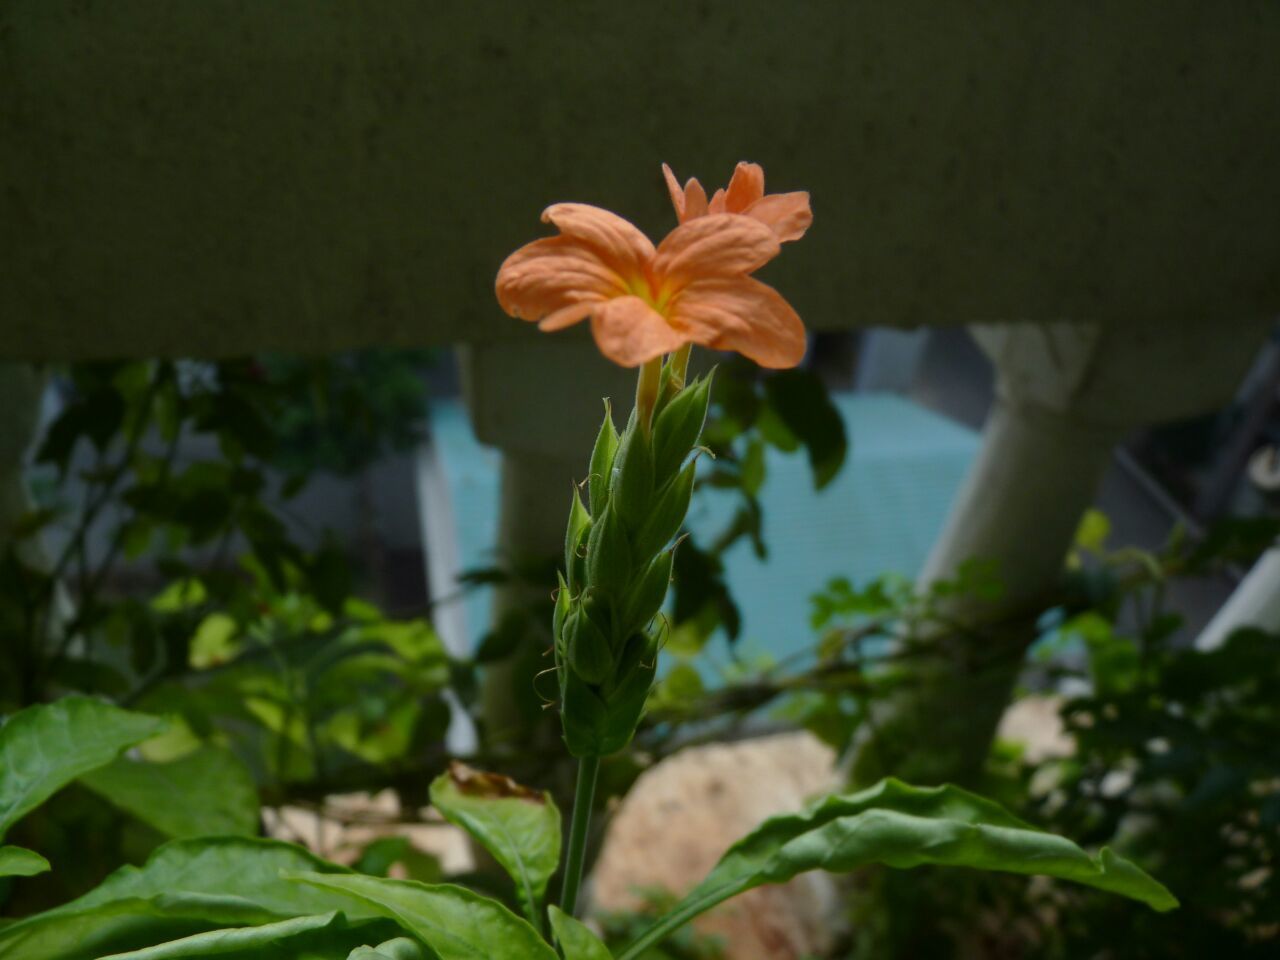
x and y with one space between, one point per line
753 468
45 747
801 402
455 922
901 826
208 792
401 948
251 941
518 826
576 939
20 862
186 887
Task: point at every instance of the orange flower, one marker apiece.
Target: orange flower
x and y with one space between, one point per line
645 301
786 214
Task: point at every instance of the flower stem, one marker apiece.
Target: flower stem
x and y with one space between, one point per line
680 365
647 391
584 796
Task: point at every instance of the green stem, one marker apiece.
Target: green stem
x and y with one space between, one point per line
647 391
588 768
683 913
680 365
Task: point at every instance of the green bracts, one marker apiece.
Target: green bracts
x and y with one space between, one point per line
618 557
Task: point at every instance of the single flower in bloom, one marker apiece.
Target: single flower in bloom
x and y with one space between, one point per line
786 214
643 302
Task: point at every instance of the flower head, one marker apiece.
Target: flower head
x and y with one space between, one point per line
645 301
786 214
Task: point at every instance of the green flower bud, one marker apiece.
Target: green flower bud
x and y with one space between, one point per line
583 715
631 483
602 462
575 536
663 521
561 612
586 648
625 701
646 599
678 427
609 553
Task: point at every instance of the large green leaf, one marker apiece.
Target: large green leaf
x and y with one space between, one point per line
576 940
902 826
45 747
186 887
455 922
20 862
208 792
269 940
520 827
401 948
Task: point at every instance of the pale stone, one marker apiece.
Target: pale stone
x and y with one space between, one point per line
683 814
350 822
1036 723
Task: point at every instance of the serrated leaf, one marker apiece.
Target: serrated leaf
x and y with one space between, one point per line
901 826
20 862
576 940
518 826
457 923
45 747
208 792
186 887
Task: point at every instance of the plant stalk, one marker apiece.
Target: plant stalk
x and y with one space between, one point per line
584 796
647 391
680 366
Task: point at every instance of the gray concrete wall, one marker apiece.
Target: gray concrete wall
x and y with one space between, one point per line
223 176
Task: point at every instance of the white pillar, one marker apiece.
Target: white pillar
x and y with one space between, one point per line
1254 603
1066 394
537 399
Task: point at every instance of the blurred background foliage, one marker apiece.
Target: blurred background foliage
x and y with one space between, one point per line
167 566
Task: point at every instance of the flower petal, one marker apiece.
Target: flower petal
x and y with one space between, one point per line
786 214
619 244
741 314
689 202
717 245
630 332
695 200
567 316
551 274
677 194
716 204
746 186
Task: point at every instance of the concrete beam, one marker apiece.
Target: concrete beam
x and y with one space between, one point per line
221 177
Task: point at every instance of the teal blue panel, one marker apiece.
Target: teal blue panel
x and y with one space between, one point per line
881 514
